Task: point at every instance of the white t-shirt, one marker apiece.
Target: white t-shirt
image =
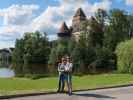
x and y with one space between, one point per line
61 67
68 67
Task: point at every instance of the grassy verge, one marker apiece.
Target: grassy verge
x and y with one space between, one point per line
24 85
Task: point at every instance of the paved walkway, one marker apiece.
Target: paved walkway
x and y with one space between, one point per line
124 93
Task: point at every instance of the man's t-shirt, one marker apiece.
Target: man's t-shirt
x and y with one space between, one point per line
61 68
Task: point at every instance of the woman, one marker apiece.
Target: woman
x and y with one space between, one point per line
68 75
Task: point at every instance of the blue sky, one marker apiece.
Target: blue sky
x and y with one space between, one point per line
20 16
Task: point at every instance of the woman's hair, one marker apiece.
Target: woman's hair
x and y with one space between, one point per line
68 58
63 59
59 60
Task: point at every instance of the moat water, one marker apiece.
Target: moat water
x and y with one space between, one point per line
6 73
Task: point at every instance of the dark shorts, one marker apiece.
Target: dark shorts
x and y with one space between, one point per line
68 77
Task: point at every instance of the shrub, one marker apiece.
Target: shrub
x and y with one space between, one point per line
105 58
36 76
124 52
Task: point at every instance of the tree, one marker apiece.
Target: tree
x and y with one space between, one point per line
92 51
17 57
83 53
124 52
117 30
64 47
96 33
33 52
101 16
105 58
53 56
56 53
130 21
93 32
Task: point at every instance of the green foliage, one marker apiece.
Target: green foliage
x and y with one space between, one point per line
63 47
105 58
117 30
93 51
124 53
93 32
83 54
91 38
52 57
62 50
32 49
76 57
130 20
87 52
101 16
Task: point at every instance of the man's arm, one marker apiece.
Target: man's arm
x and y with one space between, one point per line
59 68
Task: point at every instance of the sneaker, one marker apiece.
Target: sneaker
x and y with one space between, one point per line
62 91
70 93
58 91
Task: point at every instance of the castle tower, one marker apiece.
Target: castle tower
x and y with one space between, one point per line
64 31
78 18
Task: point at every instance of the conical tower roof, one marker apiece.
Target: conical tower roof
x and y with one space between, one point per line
64 28
64 31
79 12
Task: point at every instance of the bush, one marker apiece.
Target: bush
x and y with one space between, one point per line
124 53
36 76
105 58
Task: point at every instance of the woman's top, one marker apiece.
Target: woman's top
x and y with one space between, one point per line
68 67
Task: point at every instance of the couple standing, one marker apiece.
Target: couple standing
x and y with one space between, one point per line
65 74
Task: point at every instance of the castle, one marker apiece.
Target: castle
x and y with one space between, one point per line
75 29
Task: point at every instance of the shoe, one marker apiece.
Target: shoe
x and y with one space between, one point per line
70 93
62 91
58 91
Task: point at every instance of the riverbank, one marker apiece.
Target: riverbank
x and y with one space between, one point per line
11 86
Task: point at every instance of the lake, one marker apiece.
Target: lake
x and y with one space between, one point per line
6 73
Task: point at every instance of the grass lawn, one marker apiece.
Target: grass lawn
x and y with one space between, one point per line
24 85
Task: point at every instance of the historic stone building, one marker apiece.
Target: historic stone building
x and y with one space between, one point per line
75 29
78 18
64 31
5 57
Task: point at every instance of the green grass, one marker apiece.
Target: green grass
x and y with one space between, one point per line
24 85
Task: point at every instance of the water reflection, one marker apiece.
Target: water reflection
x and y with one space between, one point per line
6 73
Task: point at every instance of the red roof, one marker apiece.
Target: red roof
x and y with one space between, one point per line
64 28
64 31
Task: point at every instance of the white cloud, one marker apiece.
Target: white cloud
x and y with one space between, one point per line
129 2
53 16
105 4
18 15
16 20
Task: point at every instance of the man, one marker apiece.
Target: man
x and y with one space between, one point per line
68 74
61 69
